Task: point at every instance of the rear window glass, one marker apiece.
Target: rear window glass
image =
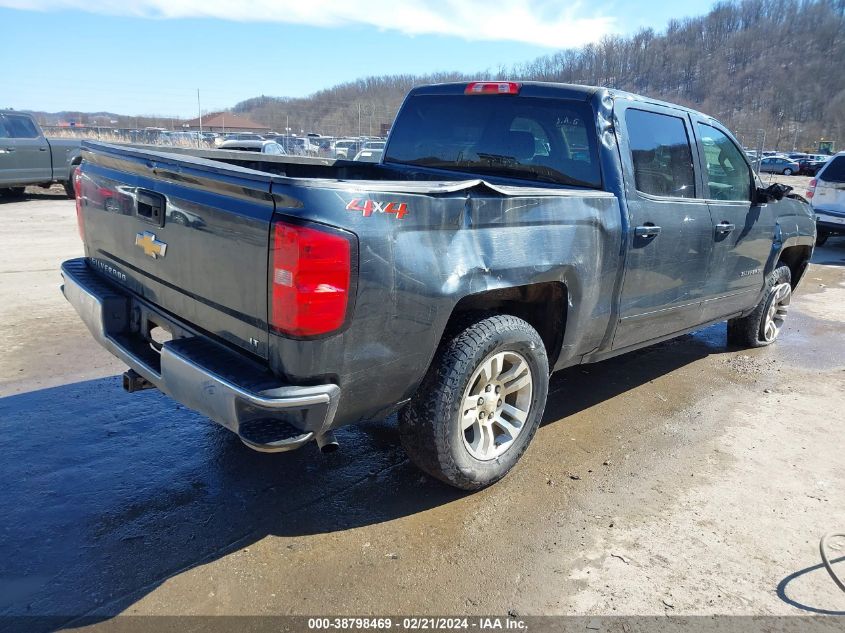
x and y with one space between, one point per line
543 140
834 171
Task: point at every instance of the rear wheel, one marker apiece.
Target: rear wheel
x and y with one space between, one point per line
480 404
821 237
764 324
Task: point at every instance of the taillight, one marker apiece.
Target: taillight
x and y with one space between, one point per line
493 88
76 178
812 190
311 279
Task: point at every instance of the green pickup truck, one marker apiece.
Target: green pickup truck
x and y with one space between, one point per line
27 157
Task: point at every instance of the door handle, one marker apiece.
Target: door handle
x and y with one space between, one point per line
10 149
42 149
647 230
724 227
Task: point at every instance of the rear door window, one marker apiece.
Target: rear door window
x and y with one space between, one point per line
661 153
728 175
834 171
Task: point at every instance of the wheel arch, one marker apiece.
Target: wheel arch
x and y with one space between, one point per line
543 305
796 258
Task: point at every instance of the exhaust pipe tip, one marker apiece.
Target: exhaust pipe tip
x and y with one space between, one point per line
327 442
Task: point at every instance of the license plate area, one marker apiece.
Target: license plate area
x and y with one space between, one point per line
153 328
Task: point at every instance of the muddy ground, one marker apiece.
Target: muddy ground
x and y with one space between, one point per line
687 478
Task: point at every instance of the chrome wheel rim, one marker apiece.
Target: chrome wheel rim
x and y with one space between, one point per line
495 405
776 312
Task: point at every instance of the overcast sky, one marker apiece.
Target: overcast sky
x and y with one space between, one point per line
150 56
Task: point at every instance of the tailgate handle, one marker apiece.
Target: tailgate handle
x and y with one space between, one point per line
150 206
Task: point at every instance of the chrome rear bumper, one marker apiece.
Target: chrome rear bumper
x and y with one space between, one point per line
202 374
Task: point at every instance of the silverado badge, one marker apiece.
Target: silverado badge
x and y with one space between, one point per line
151 246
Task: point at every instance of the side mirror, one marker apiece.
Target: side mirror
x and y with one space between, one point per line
772 193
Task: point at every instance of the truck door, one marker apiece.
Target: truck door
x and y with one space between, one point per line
670 233
31 151
9 174
743 232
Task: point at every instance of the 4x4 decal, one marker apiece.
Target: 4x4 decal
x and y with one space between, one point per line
368 207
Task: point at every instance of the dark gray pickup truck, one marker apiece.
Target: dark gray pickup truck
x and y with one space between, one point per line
27 157
511 230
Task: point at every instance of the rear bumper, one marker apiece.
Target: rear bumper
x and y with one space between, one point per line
225 386
830 221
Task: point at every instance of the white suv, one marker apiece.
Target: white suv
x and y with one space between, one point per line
827 197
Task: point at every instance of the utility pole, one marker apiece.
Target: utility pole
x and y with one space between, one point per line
199 110
359 120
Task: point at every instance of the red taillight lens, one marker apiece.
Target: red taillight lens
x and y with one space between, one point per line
310 280
76 179
493 88
812 188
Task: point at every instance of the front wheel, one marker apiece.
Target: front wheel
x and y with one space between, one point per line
764 324
821 238
480 404
787 172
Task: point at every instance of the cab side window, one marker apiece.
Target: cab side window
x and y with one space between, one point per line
20 126
728 175
661 152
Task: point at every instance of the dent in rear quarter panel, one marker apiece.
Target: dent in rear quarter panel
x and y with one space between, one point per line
414 270
795 225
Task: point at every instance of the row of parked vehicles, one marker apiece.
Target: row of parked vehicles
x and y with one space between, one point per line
793 163
366 149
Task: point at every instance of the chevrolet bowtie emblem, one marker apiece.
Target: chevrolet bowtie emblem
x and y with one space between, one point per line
152 247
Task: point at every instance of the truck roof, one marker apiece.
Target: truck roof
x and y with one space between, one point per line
548 89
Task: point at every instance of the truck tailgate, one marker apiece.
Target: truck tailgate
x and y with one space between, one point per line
188 235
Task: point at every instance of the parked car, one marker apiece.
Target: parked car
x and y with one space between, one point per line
373 145
827 198
263 147
444 283
346 148
779 165
809 166
27 157
243 136
369 155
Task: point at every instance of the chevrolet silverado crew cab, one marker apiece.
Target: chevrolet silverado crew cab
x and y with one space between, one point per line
511 230
27 157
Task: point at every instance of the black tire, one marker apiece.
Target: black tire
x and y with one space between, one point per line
787 172
821 237
430 426
13 192
68 184
748 331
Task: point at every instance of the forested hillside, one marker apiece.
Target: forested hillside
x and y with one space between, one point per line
773 65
